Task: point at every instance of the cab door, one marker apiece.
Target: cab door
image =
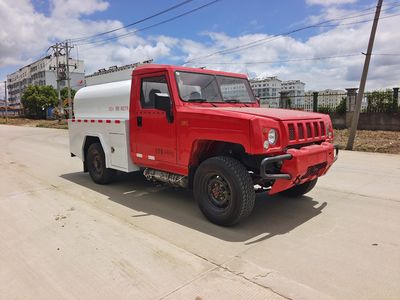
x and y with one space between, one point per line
155 136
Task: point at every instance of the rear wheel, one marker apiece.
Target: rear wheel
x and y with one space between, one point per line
224 190
301 189
96 164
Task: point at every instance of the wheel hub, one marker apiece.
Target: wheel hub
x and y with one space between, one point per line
218 191
97 164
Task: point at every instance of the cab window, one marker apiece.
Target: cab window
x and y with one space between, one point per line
150 86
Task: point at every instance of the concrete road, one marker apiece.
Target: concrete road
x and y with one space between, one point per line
63 237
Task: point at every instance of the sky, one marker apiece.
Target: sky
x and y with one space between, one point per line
231 35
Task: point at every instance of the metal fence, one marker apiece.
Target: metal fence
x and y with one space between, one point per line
385 101
381 101
324 103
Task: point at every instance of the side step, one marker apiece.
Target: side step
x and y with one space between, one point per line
170 178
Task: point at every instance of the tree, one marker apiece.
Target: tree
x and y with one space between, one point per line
341 108
64 94
64 98
324 109
37 99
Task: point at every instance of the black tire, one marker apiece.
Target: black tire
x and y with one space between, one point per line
96 164
224 190
301 189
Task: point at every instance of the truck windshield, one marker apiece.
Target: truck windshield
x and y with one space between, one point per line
198 87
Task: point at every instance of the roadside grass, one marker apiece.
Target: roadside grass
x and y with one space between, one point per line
366 140
53 124
19 121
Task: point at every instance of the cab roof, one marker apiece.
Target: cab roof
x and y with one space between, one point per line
170 68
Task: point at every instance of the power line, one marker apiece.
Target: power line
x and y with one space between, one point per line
104 41
359 22
295 59
276 36
386 54
44 52
145 28
281 61
134 23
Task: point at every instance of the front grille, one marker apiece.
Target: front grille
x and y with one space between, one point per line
309 133
316 129
322 125
292 134
300 130
305 131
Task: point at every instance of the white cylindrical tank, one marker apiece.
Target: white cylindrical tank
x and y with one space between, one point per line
109 100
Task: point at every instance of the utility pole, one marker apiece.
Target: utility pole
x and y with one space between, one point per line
5 99
360 95
60 105
62 73
68 80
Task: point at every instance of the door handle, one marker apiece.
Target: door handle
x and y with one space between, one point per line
139 121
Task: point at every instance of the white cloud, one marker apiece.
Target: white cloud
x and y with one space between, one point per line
26 33
339 72
74 8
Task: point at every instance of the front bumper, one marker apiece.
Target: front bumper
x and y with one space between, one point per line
299 165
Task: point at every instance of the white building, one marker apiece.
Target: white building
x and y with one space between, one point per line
328 97
234 91
41 72
267 89
294 90
112 74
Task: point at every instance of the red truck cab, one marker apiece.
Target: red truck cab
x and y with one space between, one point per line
205 130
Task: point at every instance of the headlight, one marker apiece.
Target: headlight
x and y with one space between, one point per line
272 136
329 130
266 145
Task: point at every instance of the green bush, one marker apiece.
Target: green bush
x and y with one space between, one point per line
341 108
37 99
64 95
325 109
381 101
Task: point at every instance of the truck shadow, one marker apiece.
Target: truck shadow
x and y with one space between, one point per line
272 215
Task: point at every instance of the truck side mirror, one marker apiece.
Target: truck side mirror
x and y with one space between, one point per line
162 101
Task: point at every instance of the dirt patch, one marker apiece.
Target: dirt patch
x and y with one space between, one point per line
371 141
35 123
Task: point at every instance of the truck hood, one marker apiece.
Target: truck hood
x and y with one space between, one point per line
273 113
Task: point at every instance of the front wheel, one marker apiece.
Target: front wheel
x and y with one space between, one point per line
301 189
224 190
96 163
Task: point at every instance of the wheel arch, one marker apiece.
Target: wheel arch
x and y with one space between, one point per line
203 149
89 140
